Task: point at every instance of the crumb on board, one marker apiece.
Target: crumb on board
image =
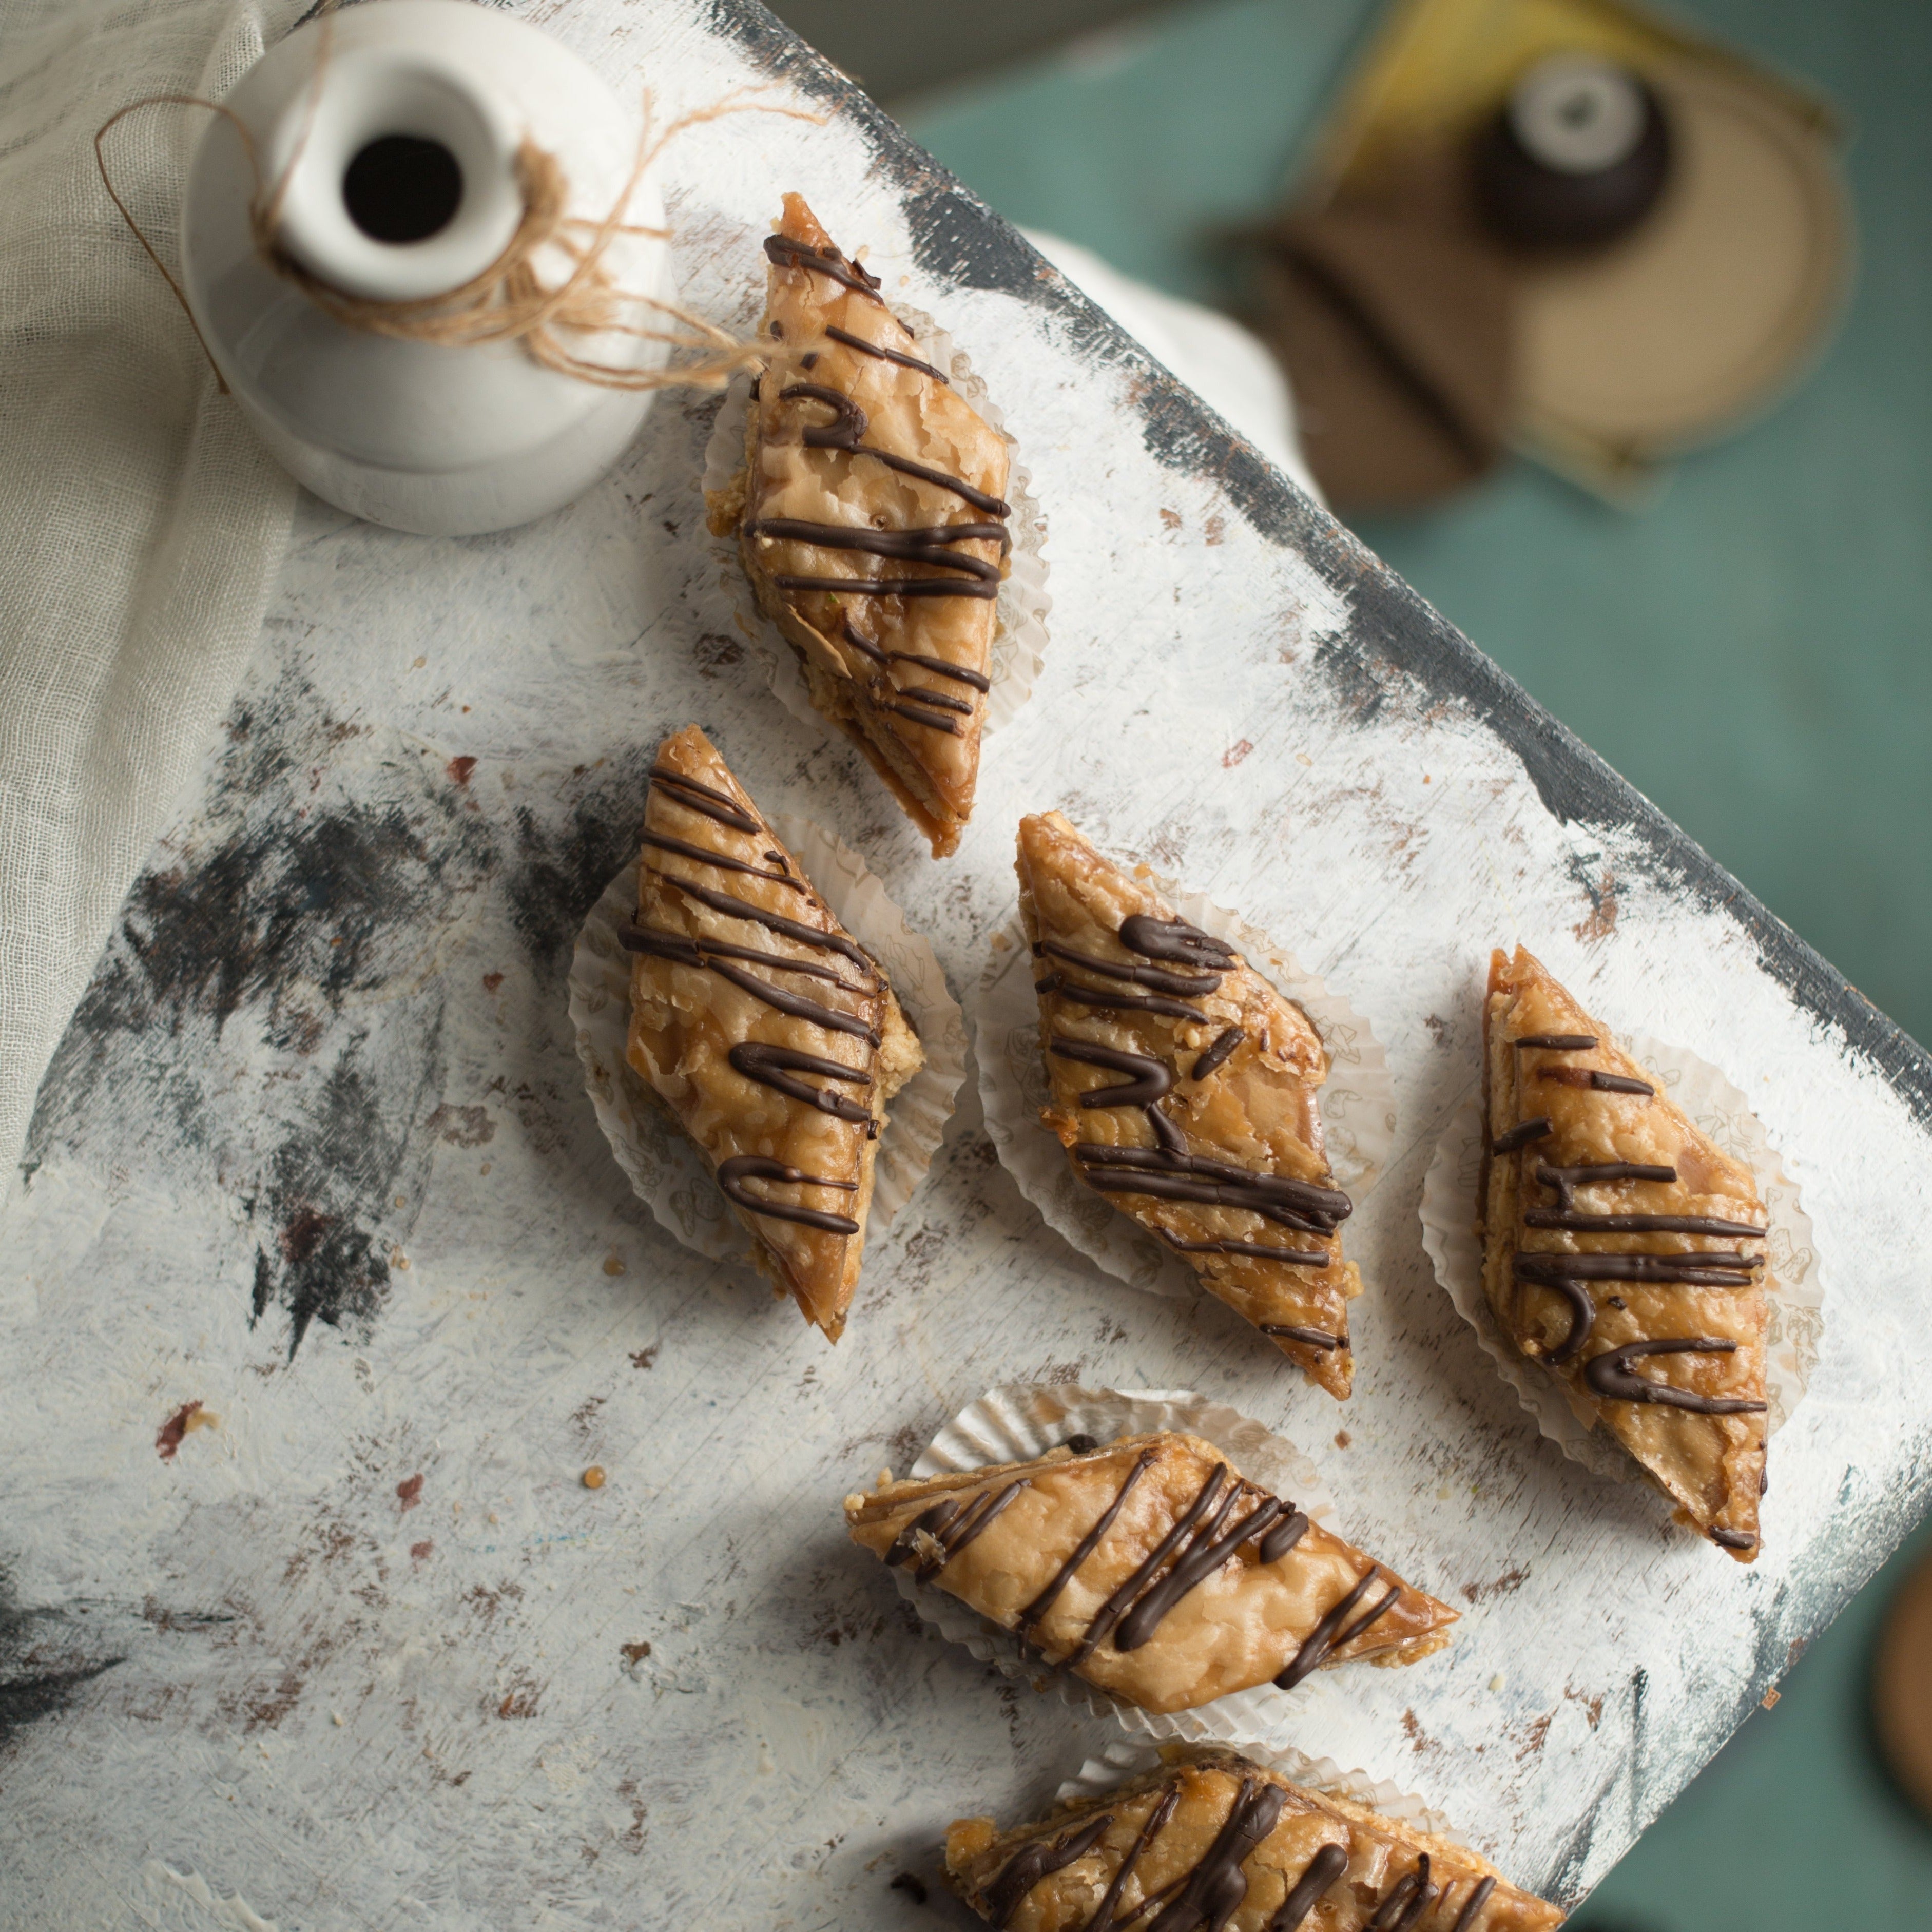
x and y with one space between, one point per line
190 1417
593 1477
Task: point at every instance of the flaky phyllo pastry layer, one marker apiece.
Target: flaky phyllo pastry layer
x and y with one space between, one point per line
1184 1088
1624 1251
1211 1840
871 519
1151 1567
772 1035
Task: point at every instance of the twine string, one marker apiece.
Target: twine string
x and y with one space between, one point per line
508 300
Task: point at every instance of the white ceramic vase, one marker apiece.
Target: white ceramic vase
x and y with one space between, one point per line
400 183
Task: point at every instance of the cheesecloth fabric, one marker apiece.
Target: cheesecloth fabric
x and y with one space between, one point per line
141 524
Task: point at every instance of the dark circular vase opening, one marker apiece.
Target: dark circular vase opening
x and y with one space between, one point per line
400 188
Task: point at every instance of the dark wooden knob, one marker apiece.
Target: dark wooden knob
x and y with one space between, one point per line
1578 155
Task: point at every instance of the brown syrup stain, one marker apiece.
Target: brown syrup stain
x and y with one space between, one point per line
458 769
409 1491
463 1127
1507 1585
520 1699
488 1602
301 1234
1420 1741
169 1438
715 652
1593 1707
491 981
419 1551
1602 920
645 1358
632 1840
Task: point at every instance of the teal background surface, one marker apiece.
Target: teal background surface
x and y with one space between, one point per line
1753 651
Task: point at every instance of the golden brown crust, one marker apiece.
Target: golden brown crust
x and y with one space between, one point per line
805 489
1711 1464
691 1006
1255 1110
1247 1841
1242 1622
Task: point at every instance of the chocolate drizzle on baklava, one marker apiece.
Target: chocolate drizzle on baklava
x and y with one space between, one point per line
1167 1171
1185 1848
859 449
774 1039
1608 1185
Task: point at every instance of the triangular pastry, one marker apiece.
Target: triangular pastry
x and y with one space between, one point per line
871 519
1151 1568
1210 1841
1624 1250
771 1035
1182 1087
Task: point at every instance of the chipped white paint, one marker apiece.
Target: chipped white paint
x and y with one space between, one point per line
360 1701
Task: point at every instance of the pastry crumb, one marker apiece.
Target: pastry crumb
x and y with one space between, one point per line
593 1477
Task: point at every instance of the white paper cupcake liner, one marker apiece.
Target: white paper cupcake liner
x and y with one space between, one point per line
1357 1105
1022 1420
668 1172
1119 1761
1019 634
1794 1282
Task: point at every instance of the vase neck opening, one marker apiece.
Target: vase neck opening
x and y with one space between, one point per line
399 176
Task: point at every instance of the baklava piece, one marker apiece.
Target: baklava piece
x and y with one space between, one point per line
872 521
1150 1567
1624 1251
1182 1087
771 1035
1210 1839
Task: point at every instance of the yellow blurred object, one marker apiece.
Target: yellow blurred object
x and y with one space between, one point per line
1438 68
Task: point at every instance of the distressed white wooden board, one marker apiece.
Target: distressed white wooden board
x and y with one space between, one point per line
331 1044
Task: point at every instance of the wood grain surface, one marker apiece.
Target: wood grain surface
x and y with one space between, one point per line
325 1291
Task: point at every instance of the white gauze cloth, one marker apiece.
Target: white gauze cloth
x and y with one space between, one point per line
141 524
